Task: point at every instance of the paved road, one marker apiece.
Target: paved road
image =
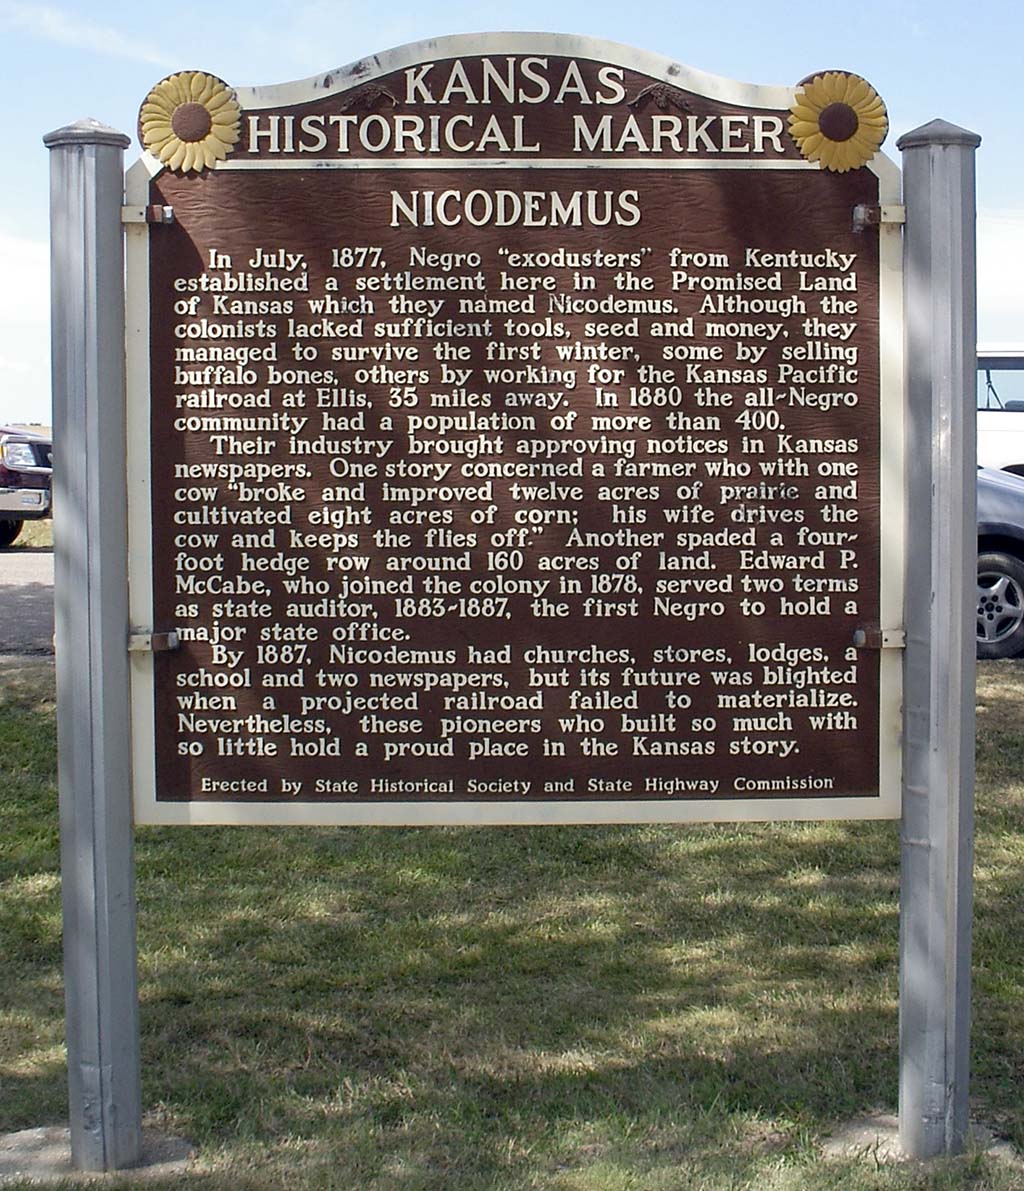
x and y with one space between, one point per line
26 601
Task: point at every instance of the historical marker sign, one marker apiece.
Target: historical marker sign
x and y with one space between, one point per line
515 435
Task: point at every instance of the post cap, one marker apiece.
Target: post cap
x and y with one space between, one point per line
86 132
938 132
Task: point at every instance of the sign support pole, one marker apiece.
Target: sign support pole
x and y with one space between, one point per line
938 779
90 565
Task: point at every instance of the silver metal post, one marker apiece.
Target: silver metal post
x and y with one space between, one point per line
938 757
91 590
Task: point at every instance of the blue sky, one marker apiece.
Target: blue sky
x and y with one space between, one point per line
64 61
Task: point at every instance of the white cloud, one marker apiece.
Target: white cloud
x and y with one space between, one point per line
1001 277
24 330
51 24
27 274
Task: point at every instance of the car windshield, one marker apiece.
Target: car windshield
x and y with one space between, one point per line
1001 383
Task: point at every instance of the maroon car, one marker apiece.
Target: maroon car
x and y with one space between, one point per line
26 468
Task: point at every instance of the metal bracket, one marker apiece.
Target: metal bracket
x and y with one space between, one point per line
153 642
870 637
154 214
865 215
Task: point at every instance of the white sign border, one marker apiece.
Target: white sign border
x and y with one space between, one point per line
148 810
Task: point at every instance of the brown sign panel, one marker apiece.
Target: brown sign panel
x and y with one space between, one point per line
509 444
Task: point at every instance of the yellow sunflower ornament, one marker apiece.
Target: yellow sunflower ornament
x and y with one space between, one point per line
190 121
838 119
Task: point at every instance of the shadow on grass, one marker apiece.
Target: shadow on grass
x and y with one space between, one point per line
32 1067
455 989
443 991
26 626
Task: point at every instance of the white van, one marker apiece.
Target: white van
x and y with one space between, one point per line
1001 408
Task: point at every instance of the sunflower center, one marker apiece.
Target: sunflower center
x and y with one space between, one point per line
191 122
838 121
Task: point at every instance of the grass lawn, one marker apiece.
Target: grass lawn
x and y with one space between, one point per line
35 535
573 1009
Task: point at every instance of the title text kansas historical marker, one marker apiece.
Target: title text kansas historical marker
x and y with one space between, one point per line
514 426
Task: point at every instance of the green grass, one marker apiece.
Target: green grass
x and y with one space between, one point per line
35 535
573 1009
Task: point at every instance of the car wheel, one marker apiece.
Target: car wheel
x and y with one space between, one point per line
9 530
1000 605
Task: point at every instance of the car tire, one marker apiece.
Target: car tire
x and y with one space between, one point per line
9 530
1000 605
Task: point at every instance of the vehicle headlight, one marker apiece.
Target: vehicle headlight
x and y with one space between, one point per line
19 455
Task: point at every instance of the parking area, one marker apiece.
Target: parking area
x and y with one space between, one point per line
26 601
